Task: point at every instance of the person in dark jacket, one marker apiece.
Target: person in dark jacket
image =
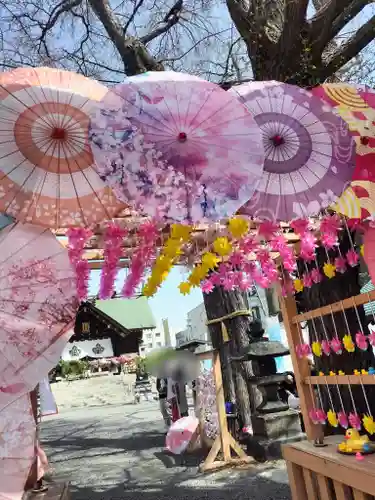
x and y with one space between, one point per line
165 409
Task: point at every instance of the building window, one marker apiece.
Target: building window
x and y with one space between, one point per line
86 327
157 334
142 349
149 345
149 336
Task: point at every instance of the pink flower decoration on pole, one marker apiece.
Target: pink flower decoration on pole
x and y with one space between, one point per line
308 245
313 414
307 280
303 350
215 279
228 283
343 419
316 275
340 264
248 245
355 421
352 258
321 416
361 341
245 284
267 229
236 259
326 347
207 286
336 345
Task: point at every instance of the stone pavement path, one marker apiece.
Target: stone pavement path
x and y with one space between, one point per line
116 453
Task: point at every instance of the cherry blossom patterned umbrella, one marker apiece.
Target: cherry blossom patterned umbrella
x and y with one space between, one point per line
356 106
46 164
38 305
177 146
180 434
17 447
309 151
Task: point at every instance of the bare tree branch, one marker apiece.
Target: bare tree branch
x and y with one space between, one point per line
171 19
132 16
351 48
347 15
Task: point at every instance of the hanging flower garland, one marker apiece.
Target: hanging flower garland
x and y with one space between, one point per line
180 234
148 236
77 239
114 235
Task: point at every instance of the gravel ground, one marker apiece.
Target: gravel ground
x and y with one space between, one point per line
116 453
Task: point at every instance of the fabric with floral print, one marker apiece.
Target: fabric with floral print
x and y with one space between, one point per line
310 153
177 147
17 447
38 306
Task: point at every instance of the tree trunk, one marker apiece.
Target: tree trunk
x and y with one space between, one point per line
219 303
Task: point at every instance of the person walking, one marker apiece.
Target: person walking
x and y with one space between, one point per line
165 409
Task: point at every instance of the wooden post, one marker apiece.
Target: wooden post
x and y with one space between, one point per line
33 474
301 367
224 442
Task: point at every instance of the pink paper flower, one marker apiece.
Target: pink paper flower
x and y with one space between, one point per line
330 224
361 341
352 257
371 338
263 256
223 270
207 286
287 288
321 416
329 240
303 350
326 347
313 414
343 419
215 279
355 421
248 245
307 280
246 283
340 264
300 226
308 245
228 283
316 275
336 345
236 259
267 229
355 224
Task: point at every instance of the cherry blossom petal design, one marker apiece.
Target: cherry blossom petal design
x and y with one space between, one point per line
17 447
47 174
38 306
310 153
177 146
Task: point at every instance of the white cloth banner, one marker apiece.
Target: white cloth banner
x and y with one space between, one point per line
93 348
46 399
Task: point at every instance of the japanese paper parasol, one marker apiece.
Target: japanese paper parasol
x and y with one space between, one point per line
46 164
180 434
356 106
177 146
38 305
309 151
17 447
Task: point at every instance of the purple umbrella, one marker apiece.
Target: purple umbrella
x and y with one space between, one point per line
310 154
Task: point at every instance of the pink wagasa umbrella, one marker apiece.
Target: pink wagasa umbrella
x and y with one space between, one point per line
177 147
180 434
17 447
38 305
310 154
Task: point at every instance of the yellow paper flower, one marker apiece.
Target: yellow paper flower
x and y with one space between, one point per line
332 418
356 372
238 227
321 374
181 232
210 260
341 372
316 349
298 285
329 270
222 246
348 343
362 250
172 248
163 263
185 287
369 424
364 372
149 290
332 374
197 275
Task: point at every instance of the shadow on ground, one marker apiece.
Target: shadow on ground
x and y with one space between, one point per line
110 457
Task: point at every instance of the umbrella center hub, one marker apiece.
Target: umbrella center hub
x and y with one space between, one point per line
58 133
182 137
277 140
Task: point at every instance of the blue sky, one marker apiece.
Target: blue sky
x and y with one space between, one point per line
167 303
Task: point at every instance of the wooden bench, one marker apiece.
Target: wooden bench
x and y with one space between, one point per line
56 491
324 474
